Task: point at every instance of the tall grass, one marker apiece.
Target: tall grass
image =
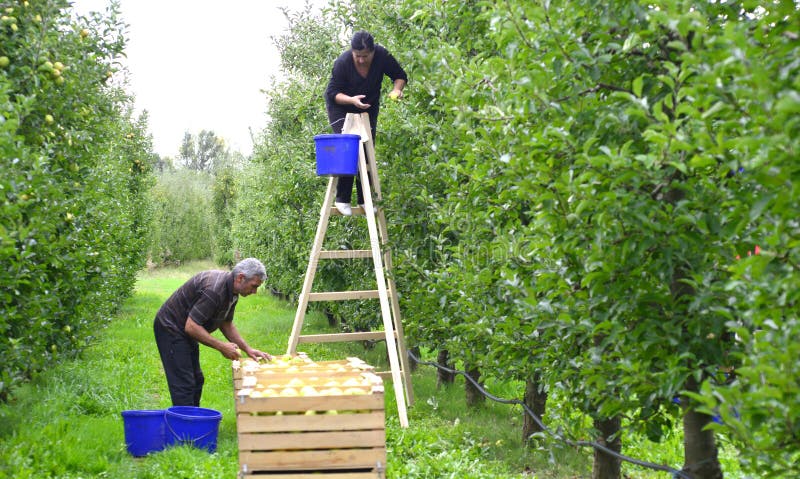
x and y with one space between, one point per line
66 423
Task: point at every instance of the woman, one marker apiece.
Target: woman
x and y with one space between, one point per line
355 87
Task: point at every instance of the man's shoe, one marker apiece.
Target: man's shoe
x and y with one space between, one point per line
364 207
344 208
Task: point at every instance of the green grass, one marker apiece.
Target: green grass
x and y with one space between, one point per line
66 423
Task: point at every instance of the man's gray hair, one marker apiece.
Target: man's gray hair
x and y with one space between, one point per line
250 267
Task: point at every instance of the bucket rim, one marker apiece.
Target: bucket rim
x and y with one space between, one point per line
143 412
325 136
183 412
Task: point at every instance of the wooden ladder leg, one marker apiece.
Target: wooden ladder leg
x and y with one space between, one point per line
388 326
313 260
395 303
369 149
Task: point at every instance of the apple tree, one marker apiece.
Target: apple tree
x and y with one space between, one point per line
76 166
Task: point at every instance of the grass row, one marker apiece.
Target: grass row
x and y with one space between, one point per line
66 423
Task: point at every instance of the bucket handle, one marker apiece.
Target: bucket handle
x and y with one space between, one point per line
180 439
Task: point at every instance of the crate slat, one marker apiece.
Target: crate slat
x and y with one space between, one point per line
249 424
312 440
310 403
327 459
315 475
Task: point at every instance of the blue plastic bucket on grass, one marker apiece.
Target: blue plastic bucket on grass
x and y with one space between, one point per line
191 425
145 431
337 154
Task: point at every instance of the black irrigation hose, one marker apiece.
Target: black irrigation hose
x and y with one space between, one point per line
675 473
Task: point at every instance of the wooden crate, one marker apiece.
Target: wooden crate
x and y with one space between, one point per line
329 432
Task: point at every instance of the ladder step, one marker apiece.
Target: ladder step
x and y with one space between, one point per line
345 254
343 295
342 337
357 211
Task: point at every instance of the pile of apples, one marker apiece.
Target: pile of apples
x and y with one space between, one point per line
296 376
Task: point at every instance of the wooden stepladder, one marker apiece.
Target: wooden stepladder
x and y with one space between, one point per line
386 291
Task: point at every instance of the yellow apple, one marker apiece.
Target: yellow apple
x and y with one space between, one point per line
355 391
308 391
296 383
289 392
394 95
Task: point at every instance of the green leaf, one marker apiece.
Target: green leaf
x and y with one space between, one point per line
637 86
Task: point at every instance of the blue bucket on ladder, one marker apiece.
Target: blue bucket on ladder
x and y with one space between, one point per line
337 154
191 425
145 431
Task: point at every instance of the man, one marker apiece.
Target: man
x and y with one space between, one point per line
355 87
202 305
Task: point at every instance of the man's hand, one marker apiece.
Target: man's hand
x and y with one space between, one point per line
229 350
356 101
258 355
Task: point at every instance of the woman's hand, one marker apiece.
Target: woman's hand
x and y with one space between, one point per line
356 101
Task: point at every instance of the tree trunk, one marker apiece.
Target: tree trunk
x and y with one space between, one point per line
444 377
331 318
412 365
699 447
605 465
474 397
536 400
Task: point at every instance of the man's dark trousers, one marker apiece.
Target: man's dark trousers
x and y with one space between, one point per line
180 356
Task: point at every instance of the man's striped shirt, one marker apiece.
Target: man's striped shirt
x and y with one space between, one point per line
207 298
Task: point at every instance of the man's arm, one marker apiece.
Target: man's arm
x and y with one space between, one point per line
230 332
197 332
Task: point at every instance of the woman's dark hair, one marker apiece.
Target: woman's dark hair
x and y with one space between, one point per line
362 41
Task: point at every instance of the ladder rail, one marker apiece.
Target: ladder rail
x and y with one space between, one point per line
311 270
388 323
379 252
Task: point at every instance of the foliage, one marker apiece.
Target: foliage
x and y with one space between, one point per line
569 187
204 152
224 197
76 165
184 225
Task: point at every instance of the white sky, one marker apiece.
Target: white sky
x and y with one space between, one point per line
201 64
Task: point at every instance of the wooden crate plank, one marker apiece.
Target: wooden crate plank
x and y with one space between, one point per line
310 403
351 364
317 475
312 460
312 440
247 423
282 380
